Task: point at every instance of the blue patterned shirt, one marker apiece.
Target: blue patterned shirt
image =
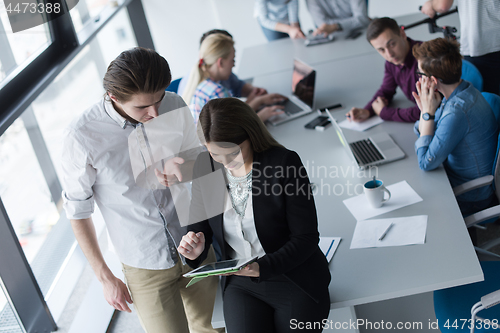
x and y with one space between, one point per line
204 92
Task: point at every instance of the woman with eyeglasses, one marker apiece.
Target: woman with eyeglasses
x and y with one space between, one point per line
254 196
460 131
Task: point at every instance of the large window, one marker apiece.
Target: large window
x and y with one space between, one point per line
80 84
48 76
24 191
87 10
17 49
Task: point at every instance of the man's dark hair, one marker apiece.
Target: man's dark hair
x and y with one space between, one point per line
379 25
440 58
215 31
134 71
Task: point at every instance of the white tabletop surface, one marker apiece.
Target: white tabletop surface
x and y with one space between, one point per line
349 72
368 275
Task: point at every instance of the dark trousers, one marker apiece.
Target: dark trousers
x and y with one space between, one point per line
273 306
273 34
489 67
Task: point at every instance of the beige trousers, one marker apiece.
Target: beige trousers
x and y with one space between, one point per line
165 305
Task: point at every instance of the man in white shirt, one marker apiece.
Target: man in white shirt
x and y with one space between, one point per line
479 37
111 156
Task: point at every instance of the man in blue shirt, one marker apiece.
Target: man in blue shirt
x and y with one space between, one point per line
460 131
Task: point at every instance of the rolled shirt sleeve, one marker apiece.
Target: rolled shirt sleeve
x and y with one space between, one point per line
78 177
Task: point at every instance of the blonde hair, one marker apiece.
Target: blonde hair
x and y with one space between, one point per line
213 47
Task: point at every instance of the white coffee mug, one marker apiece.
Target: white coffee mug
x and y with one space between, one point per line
374 192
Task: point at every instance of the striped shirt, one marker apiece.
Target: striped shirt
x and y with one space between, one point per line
204 92
480 26
271 12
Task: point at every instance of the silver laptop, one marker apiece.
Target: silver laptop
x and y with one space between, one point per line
377 149
301 102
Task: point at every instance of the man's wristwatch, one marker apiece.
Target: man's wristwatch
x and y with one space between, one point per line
428 116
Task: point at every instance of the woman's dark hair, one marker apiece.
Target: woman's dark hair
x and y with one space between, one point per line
379 25
233 121
134 71
215 31
440 58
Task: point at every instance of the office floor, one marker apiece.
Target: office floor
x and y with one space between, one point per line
123 322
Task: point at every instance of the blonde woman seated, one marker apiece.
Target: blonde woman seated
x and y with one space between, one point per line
215 64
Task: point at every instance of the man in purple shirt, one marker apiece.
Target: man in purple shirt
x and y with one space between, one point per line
385 35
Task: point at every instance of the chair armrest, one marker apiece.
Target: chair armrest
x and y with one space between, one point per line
483 215
491 299
472 185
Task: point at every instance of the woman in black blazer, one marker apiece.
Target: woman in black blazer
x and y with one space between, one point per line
287 288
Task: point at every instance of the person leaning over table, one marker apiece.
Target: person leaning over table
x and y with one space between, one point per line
391 42
267 211
460 131
237 87
142 222
278 18
216 60
479 35
336 15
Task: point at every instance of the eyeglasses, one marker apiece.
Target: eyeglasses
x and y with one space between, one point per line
420 74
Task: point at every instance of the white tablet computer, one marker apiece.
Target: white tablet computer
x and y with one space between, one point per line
221 267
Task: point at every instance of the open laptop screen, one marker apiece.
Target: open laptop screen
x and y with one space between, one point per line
341 136
303 81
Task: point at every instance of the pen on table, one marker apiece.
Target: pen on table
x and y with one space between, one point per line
386 231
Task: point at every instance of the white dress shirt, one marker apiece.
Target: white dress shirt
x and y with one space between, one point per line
109 161
240 234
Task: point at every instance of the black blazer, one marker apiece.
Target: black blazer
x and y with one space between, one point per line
284 214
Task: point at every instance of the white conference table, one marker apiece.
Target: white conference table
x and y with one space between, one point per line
278 55
362 276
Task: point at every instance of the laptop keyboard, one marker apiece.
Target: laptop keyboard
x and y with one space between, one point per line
365 152
291 108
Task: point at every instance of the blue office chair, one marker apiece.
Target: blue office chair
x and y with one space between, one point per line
174 86
471 74
454 306
491 214
494 101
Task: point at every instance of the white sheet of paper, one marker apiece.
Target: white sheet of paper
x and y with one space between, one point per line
328 246
362 126
401 195
405 231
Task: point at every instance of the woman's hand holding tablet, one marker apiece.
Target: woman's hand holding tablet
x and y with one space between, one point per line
251 270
